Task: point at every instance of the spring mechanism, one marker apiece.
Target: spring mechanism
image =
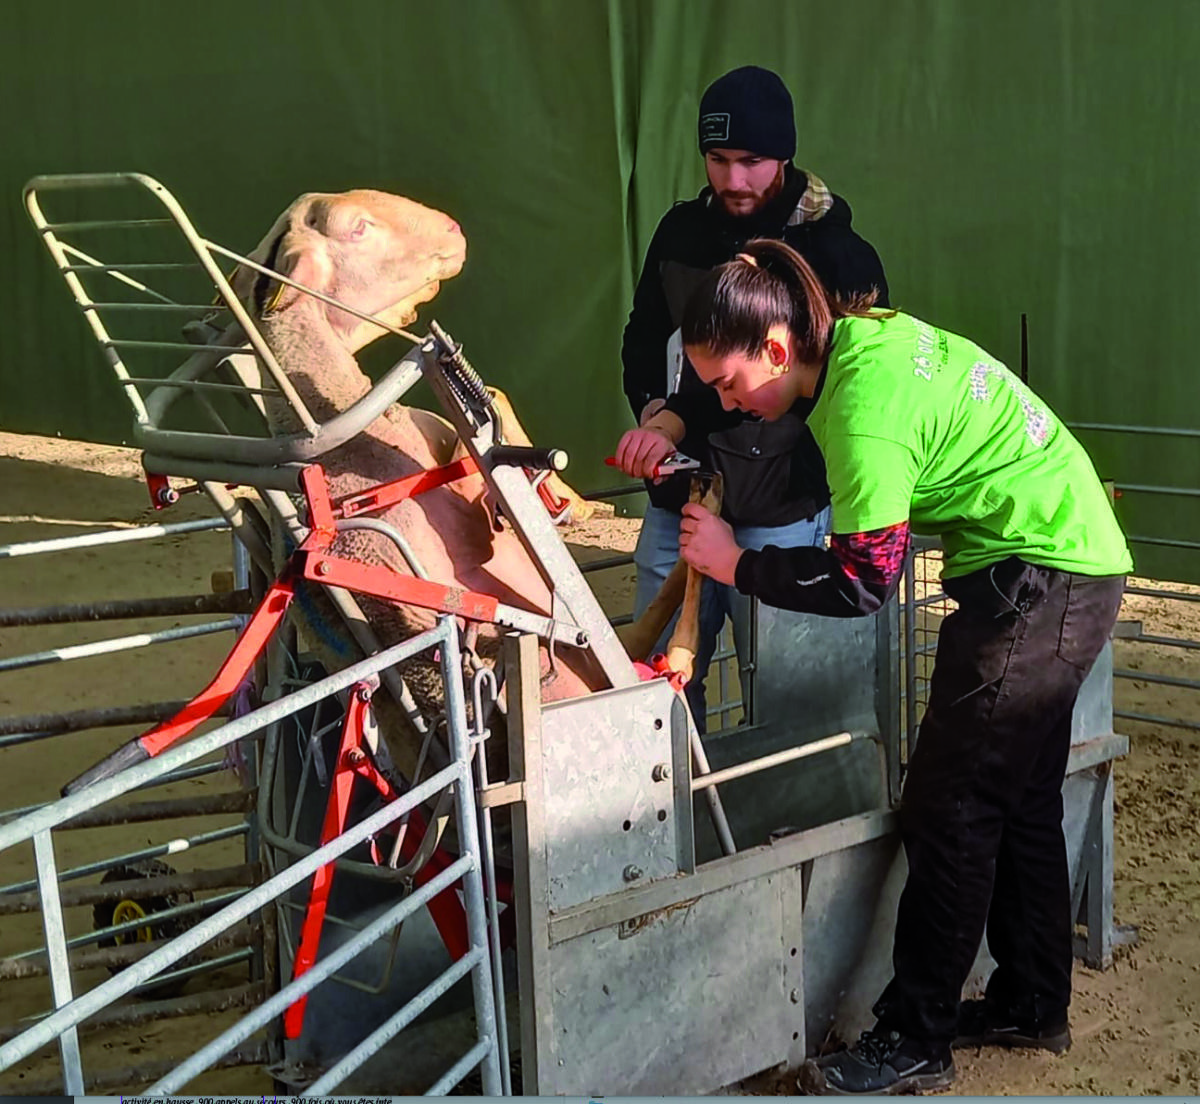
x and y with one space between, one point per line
466 382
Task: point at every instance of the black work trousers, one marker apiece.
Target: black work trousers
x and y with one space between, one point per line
981 811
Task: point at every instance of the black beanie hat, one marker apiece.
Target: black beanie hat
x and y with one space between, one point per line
748 109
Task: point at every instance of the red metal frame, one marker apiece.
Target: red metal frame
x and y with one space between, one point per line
388 494
312 561
354 761
249 645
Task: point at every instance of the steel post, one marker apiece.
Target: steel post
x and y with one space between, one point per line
60 967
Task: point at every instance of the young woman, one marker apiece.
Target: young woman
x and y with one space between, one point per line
923 430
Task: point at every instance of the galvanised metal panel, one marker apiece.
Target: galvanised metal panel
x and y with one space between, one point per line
615 778
815 676
850 899
681 1001
1094 709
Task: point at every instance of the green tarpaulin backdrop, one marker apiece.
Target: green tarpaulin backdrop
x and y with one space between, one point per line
1004 158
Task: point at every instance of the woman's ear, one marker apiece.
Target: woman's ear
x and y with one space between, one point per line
776 353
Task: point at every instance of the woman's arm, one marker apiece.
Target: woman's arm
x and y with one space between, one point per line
855 576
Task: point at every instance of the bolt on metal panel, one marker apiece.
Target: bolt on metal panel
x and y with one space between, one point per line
614 818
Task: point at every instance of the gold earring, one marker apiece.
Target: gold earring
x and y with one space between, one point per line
780 369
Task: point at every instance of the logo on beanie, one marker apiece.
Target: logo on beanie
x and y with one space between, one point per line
715 127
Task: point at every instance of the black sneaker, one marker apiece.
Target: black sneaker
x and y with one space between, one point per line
979 1025
881 1063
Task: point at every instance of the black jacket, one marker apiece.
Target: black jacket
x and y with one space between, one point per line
692 238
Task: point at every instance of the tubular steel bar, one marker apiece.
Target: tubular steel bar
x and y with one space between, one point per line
716 809
159 884
186 909
106 224
180 346
244 453
196 748
182 308
238 601
204 385
116 644
1159 431
468 830
320 971
753 766
240 935
1153 592
39 726
485 675
172 847
1150 718
910 657
1165 542
220 1000
396 1023
460 1069
139 266
146 968
121 278
110 536
206 967
112 1082
1148 488
623 560
1161 680
236 801
393 534
199 247
60 968
1166 641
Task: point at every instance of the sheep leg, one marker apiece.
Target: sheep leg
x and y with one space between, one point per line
640 637
685 640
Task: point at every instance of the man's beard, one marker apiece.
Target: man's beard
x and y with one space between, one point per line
775 187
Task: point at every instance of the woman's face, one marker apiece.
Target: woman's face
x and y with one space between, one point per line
763 383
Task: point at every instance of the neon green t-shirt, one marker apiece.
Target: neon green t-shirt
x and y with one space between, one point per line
919 425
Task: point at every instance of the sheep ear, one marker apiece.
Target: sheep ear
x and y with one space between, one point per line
308 266
250 285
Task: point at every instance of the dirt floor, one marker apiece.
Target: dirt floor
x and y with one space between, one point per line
1135 1026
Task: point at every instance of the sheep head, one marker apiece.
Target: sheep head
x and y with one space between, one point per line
379 253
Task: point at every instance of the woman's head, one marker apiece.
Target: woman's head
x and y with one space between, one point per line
758 328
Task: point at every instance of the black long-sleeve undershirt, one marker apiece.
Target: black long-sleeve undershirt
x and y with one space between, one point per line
854 577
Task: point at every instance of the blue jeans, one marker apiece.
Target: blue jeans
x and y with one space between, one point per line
656 553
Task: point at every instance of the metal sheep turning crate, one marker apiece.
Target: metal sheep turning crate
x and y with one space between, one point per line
683 912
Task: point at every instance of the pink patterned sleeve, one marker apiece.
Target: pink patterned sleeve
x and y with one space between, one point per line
875 559
854 577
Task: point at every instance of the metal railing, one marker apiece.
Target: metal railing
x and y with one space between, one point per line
71 1011
135 882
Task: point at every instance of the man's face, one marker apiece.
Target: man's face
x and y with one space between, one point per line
742 180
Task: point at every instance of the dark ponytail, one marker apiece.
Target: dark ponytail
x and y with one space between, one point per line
768 282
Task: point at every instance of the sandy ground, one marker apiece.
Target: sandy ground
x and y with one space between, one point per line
1135 1026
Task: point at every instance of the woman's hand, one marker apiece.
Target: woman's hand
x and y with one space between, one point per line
641 450
707 543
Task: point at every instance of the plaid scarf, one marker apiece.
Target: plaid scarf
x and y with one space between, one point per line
814 203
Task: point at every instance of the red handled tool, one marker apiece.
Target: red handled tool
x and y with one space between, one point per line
668 465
